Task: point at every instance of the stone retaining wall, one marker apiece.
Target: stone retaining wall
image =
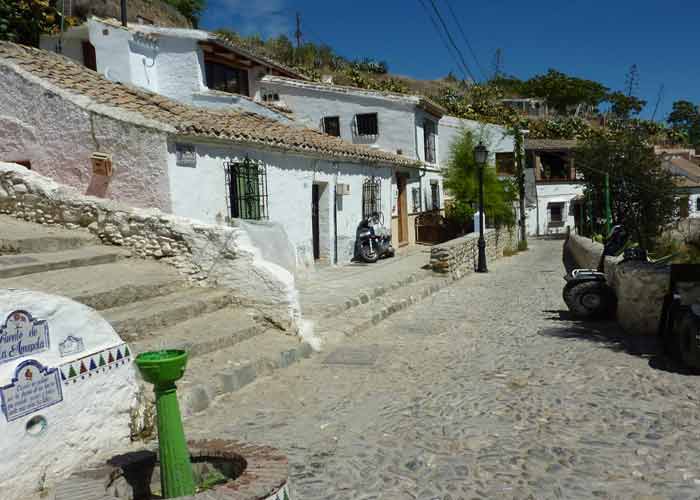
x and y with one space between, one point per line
639 286
459 256
213 255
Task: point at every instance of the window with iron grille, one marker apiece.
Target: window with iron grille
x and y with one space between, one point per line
556 214
246 186
429 136
367 124
371 196
415 194
331 125
435 195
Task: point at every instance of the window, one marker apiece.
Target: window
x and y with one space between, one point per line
371 196
435 195
89 56
415 195
556 214
555 167
226 78
185 155
246 183
331 125
270 97
697 204
505 164
367 124
429 135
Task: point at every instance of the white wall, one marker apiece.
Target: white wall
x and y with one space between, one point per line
180 66
70 47
55 135
397 120
111 51
495 138
201 192
538 216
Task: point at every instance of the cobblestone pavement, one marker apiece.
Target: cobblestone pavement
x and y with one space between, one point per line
481 391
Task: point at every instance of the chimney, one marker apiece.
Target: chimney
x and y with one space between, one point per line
123 9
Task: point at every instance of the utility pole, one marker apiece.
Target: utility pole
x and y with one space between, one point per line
498 63
297 34
659 97
520 171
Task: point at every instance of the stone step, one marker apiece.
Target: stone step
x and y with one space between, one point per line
333 329
206 333
140 320
107 285
20 265
313 305
18 236
224 371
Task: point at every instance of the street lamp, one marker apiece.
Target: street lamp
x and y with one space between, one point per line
481 155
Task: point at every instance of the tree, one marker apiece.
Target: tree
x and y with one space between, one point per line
685 117
625 106
191 9
26 20
564 92
641 190
461 179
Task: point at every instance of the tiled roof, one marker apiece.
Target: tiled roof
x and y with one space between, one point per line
550 144
236 126
686 173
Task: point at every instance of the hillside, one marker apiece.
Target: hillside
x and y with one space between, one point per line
161 13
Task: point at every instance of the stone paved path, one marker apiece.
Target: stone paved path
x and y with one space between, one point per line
481 391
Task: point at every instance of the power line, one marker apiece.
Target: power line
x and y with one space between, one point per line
449 37
466 40
443 39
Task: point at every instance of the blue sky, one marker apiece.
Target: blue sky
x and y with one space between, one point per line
593 39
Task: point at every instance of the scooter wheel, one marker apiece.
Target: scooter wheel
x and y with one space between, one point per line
688 338
368 255
589 299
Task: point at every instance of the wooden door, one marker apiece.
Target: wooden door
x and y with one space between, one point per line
402 209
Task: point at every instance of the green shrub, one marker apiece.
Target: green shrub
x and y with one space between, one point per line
522 246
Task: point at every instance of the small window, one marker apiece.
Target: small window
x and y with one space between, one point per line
435 195
371 196
226 78
367 124
185 155
331 125
429 135
697 204
556 214
246 183
415 194
505 164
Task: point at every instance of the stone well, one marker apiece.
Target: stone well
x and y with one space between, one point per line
246 472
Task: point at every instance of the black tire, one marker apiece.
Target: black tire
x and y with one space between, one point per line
687 335
367 254
590 300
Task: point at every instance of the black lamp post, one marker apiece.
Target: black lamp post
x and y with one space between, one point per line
481 155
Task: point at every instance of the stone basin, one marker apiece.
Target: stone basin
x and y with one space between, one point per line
245 472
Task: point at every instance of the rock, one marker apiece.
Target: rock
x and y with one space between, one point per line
20 189
94 227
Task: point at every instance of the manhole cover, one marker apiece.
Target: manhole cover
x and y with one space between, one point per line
12 261
355 356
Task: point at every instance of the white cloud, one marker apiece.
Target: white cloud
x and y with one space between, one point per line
263 17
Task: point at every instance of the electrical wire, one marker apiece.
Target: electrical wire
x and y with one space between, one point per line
466 40
449 37
443 39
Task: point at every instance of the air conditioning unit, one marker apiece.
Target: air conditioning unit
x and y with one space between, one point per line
342 189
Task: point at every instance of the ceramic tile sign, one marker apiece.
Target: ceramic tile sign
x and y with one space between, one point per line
67 390
22 335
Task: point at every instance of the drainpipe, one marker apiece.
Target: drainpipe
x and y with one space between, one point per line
123 9
335 221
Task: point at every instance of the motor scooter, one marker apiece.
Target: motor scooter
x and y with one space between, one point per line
373 239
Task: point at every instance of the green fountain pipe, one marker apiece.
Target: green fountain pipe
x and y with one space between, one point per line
162 369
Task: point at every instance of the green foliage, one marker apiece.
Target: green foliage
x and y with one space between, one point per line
624 106
191 9
564 92
210 480
522 246
461 179
24 21
685 121
642 192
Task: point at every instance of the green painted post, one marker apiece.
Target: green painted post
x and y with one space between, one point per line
608 213
162 369
590 215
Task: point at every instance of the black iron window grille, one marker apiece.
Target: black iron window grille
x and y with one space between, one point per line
331 125
429 140
246 189
371 196
415 195
367 124
435 195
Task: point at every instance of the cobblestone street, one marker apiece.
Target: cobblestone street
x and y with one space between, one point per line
480 391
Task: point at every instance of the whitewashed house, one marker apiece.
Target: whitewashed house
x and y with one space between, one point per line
191 66
405 125
209 165
554 188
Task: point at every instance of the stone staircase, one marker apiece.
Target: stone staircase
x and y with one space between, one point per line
151 306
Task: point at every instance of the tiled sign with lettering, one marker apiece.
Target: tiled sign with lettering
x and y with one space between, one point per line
21 335
33 387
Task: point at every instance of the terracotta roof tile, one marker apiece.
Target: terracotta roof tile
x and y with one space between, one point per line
237 126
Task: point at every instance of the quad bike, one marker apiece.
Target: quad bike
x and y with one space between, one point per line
586 293
679 326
